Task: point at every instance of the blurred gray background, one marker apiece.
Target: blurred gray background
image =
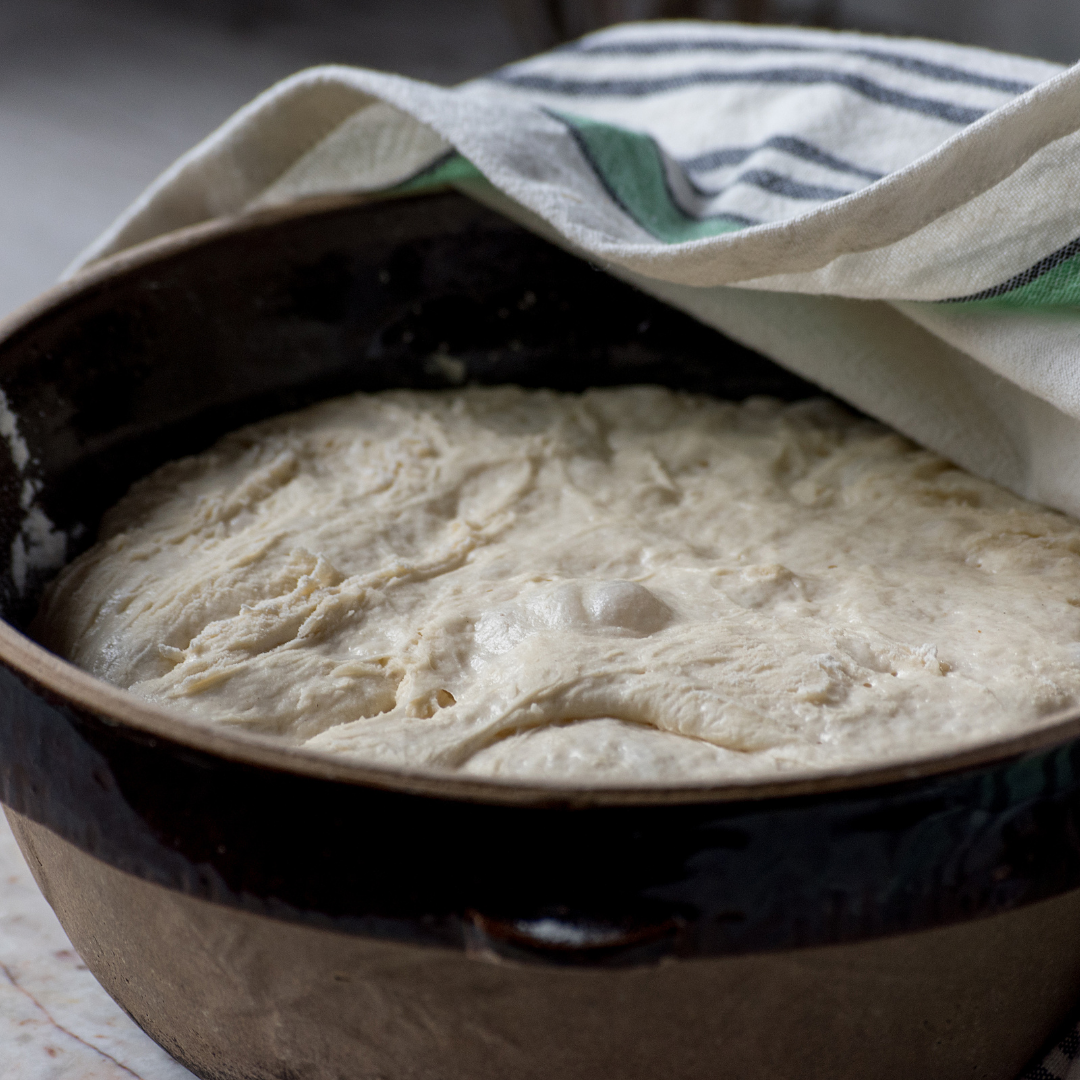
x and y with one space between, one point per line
98 96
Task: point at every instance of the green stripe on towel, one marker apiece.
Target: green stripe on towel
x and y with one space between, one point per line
1057 288
629 165
445 171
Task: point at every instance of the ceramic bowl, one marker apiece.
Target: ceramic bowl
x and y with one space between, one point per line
265 913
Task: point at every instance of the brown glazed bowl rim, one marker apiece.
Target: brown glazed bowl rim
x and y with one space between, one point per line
117 706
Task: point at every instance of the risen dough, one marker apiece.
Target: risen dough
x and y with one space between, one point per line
630 585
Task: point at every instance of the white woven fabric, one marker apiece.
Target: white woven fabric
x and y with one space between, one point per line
896 220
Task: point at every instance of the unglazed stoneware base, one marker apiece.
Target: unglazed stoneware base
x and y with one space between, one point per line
236 996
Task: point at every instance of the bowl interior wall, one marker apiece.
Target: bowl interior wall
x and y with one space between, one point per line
161 359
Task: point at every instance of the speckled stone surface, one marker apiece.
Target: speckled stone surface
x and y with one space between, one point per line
56 1023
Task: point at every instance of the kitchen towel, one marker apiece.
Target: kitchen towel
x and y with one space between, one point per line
896 220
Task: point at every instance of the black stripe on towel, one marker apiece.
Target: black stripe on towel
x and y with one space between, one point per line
1025 277
789 144
780 185
767 180
661 47
794 76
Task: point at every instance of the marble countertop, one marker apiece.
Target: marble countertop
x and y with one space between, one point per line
56 1022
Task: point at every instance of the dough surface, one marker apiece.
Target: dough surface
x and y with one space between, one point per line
626 586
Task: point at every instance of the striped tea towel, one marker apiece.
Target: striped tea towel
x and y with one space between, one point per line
896 220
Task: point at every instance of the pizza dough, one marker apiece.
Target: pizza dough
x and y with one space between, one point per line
628 586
